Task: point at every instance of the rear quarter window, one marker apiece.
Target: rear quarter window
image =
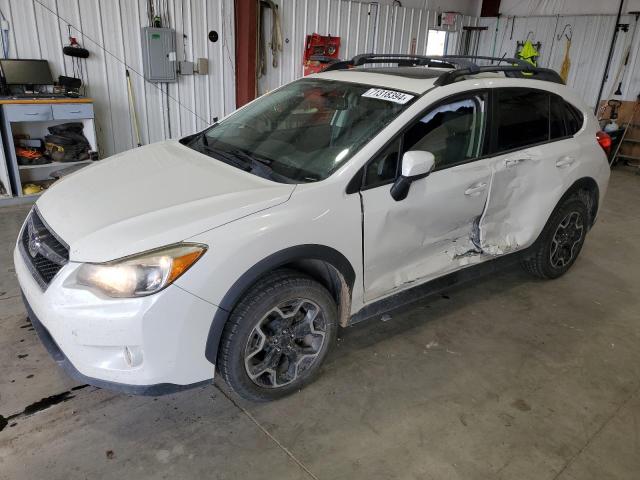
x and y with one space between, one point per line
566 120
574 118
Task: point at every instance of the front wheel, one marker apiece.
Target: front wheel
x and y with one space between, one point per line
277 336
560 242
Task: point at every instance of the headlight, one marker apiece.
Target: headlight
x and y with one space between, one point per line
141 274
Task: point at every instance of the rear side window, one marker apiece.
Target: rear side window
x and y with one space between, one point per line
557 122
522 118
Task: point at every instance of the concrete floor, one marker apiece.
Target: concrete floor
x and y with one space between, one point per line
508 378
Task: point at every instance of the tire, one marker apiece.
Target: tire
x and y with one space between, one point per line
561 240
277 336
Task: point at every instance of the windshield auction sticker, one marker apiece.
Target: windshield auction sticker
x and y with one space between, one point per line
388 95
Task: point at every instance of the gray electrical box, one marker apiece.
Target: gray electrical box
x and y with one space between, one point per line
159 54
186 68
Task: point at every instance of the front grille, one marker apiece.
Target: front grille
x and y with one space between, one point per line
44 253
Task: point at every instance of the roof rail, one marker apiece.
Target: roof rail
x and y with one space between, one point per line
517 61
400 59
461 65
514 71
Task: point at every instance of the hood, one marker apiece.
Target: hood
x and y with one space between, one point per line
150 197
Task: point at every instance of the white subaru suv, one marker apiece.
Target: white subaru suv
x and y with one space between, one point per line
336 198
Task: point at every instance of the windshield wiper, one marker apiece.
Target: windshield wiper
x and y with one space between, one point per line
261 164
243 160
251 157
226 157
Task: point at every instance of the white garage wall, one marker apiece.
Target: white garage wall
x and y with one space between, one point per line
589 49
566 7
466 7
192 102
362 27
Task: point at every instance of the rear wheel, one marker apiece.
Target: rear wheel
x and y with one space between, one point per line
277 336
561 240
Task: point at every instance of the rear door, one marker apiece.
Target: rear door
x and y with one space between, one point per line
533 158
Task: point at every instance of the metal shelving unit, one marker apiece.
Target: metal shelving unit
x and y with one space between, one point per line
32 118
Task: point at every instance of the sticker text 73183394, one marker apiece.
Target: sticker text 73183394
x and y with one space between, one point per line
388 95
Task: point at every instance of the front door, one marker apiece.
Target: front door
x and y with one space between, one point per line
431 231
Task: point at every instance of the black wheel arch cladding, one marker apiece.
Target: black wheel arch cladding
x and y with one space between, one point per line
584 184
276 260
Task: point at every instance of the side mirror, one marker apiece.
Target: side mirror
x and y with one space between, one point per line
415 165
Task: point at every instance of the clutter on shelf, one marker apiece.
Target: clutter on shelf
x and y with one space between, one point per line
67 143
64 143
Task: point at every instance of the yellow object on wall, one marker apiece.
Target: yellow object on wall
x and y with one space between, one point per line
528 53
566 63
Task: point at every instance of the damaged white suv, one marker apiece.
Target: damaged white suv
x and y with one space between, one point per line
333 199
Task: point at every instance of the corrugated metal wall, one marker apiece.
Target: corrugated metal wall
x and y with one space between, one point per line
362 27
189 104
588 53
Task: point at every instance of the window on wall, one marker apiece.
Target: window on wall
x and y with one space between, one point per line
436 42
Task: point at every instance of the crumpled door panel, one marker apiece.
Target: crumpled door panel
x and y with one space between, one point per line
525 187
426 235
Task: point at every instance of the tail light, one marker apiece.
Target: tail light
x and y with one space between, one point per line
604 140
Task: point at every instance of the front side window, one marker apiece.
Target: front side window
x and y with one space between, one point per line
304 131
522 118
384 167
453 131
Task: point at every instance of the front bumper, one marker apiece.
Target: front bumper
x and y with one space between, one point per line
146 346
63 362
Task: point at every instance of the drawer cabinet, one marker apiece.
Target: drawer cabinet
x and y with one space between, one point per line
38 113
70 111
28 113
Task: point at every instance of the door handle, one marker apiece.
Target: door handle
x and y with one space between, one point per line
476 189
564 162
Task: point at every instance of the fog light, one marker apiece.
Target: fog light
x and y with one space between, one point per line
133 356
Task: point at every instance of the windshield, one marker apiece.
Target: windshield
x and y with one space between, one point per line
302 132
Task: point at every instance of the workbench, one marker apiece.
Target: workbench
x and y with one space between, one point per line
32 117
